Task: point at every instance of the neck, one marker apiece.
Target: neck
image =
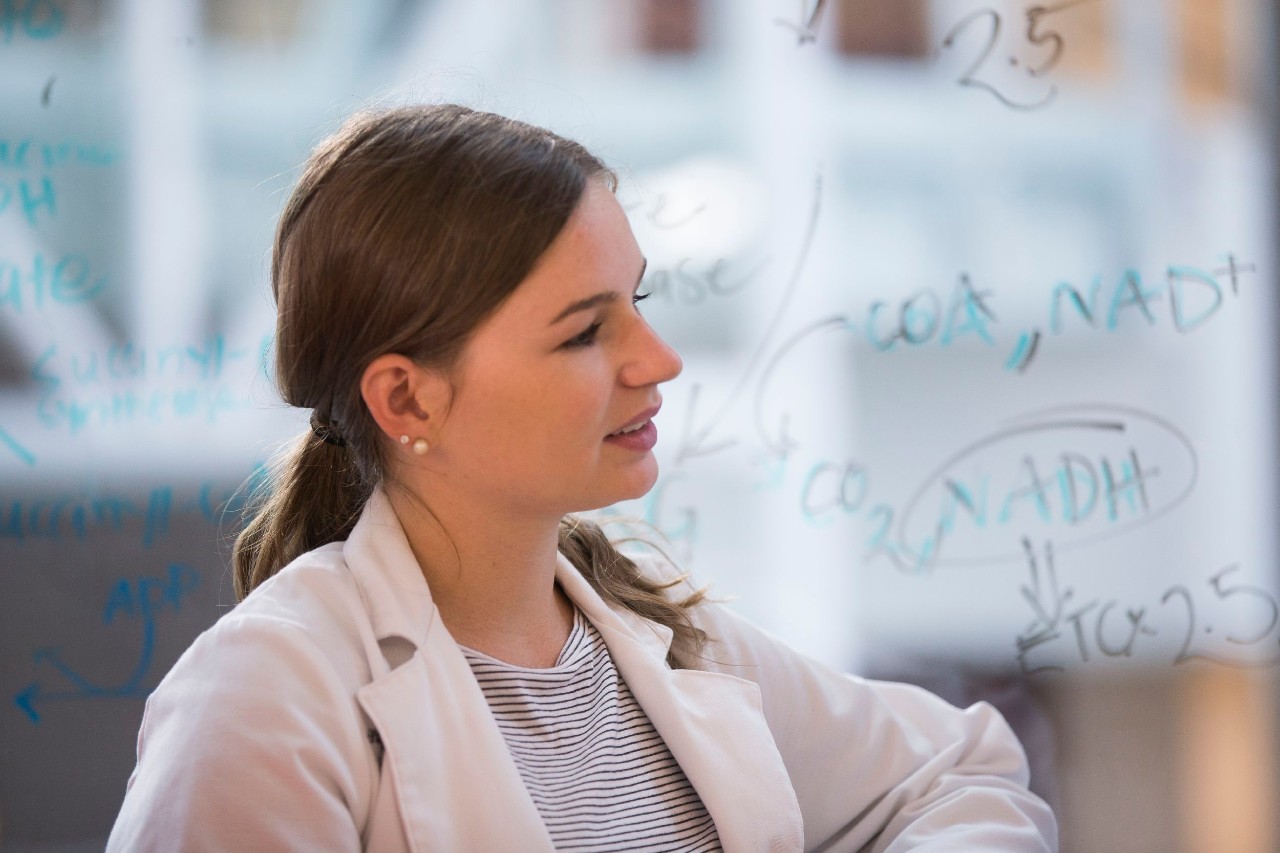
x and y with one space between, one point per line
491 576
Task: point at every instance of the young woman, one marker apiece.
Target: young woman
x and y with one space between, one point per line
432 653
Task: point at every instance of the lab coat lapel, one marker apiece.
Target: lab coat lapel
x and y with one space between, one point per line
713 724
456 784
457 787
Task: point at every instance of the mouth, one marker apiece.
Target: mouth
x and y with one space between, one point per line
637 423
629 429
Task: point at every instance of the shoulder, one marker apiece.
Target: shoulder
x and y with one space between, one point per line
306 626
261 708
733 642
870 758
316 592
287 659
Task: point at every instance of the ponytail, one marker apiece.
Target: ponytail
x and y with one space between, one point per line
313 497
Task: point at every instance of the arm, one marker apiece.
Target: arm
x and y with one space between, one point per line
252 742
884 767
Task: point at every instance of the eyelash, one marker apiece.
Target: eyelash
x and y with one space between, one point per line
586 339
588 336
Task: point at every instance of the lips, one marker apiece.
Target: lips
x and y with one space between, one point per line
639 434
630 429
636 423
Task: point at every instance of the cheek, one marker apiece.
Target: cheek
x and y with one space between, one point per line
585 397
539 414
557 408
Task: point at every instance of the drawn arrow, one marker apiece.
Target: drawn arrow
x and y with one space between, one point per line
35 693
26 700
808 31
1045 598
783 444
695 440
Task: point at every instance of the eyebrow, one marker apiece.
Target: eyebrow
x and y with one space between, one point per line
598 299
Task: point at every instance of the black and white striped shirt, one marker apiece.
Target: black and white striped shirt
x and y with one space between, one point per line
600 774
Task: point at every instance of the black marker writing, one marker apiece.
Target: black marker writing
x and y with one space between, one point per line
807 31
695 440
983 72
1192 616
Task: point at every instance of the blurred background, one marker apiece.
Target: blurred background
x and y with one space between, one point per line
975 299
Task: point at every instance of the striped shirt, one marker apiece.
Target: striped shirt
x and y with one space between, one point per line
600 774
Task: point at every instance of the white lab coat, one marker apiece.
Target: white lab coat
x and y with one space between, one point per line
262 737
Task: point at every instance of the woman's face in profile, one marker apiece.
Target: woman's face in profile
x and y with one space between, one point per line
554 394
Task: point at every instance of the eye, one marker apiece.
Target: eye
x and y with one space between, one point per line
640 297
586 339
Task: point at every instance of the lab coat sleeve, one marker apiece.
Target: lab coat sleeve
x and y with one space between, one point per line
250 743
884 767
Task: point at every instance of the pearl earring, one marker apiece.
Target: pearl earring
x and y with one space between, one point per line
420 445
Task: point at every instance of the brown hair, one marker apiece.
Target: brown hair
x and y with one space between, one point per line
407 229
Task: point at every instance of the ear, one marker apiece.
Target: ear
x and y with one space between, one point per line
404 397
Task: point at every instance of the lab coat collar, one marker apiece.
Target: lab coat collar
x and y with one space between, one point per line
652 636
399 602
713 724
395 593
456 785
438 732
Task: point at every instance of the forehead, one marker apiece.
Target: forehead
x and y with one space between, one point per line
594 252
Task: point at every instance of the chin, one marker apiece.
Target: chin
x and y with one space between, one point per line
645 481
636 484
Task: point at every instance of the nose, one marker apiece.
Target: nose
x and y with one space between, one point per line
652 360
